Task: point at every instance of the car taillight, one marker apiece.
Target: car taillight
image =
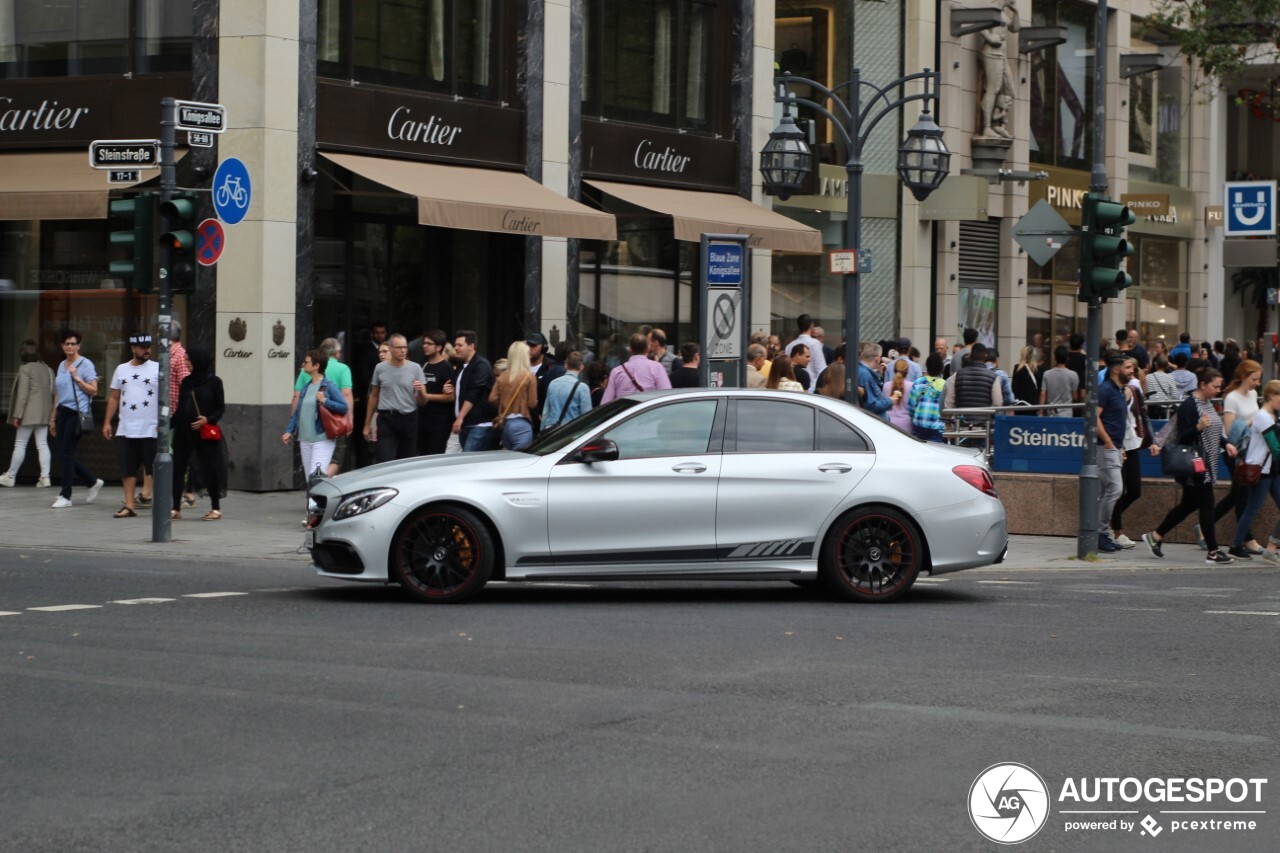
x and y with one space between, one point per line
978 477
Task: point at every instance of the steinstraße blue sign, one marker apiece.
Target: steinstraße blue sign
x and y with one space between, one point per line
1250 209
1035 445
724 264
231 191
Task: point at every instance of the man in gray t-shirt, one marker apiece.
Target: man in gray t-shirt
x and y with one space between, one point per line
396 391
1059 385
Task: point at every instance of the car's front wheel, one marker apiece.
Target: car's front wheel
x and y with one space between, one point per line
442 555
872 554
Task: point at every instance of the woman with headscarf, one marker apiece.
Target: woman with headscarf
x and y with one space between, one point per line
200 404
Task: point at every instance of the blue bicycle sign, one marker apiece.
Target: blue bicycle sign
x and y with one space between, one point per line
232 190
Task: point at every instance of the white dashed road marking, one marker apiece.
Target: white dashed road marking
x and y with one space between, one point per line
143 600
1013 583
57 608
213 594
1244 612
9 613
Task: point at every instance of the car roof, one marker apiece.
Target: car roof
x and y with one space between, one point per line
834 405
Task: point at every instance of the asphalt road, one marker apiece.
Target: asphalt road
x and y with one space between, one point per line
302 714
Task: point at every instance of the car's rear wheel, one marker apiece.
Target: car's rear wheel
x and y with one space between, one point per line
442 555
872 554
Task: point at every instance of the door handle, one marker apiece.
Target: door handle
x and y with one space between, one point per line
689 468
835 468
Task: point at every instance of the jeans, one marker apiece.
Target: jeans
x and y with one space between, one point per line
517 433
1131 475
1237 498
41 433
1111 484
68 427
475 437
1268 485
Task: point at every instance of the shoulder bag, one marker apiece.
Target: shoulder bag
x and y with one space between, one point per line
335 425
1242 473
86 418
506 410
208 431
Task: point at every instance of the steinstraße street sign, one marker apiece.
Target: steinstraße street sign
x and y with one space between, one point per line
1042 232
124 154
193 115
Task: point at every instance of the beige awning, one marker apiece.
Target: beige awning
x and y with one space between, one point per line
482 199
40 185
697 212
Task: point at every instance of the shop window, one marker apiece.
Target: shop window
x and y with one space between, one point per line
1062 87
1158 128
72 38
455 47
660 62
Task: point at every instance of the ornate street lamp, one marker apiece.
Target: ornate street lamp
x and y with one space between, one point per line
923 163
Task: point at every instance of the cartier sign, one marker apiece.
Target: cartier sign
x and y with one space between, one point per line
70 113
655 156
365 119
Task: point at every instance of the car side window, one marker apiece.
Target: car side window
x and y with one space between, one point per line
836 435
672 430
771 426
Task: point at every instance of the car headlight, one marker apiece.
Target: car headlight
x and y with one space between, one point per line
360 502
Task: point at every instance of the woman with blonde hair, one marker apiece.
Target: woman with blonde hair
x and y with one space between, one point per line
1027 377
781 376
897 389
515 394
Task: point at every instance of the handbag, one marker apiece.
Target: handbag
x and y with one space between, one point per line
1246 475
208 431
335 425
1179 460
506 410
85 422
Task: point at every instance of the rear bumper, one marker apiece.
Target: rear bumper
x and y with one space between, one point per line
966 536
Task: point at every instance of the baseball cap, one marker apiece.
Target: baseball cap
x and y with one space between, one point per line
140 340
536 339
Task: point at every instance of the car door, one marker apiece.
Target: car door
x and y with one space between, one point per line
786 466
652 507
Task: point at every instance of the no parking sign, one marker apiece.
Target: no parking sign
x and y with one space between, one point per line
210 241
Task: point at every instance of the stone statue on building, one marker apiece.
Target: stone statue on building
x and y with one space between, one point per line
998 91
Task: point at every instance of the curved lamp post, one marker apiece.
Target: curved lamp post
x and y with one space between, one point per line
786 162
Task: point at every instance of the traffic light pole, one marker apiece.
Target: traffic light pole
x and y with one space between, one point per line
1087 538
162 491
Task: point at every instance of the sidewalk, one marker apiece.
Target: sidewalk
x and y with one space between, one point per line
266 526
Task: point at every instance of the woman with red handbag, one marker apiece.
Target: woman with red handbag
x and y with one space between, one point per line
309 421
197 434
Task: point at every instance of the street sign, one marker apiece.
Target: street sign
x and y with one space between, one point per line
124 176
724 319
864 261
1250 209
724 264
124 153
1042 232
193 115
199 139
842 262
231 190
211 239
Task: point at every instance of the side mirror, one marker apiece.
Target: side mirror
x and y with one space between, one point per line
600 450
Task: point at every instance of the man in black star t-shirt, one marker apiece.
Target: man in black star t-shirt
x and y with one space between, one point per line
435 419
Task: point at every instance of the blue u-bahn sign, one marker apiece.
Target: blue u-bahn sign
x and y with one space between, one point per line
1035 445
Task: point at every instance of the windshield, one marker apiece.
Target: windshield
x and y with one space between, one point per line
578 428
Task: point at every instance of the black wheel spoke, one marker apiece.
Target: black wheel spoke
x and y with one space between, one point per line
875 555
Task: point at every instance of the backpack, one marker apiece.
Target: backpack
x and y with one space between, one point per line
929 392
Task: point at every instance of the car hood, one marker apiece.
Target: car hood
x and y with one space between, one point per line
395 474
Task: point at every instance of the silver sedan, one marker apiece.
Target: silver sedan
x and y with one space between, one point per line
719 484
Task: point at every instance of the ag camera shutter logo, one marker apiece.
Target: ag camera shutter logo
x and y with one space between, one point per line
1008 803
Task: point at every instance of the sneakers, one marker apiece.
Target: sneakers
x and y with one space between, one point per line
1106 546
1217 558
1241 553
43 483
1271 557
1124 542
1153 543
93 492
61 503
1195 531
7 480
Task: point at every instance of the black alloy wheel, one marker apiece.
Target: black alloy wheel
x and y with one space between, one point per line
442 555
872 555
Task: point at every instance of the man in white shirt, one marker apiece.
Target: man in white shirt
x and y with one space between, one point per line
817 359
134 389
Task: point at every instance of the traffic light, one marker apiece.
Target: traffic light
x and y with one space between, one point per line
1103 248
180 218
139 215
